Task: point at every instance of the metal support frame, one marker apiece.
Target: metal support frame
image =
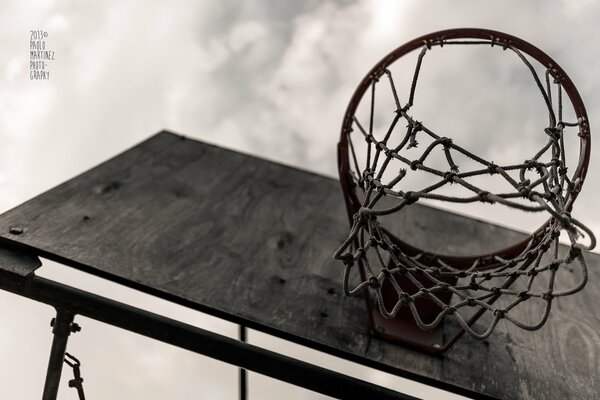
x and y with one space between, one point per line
70 301
61 329
243 373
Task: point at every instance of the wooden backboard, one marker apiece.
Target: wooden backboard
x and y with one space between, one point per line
251 241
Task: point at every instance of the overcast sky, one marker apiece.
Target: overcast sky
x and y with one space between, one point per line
269 78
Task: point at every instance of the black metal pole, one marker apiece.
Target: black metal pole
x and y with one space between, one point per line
61 328
198 340
243 373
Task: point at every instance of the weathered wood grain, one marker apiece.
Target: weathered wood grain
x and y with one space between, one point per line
252 241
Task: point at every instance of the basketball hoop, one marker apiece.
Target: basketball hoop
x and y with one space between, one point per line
416 289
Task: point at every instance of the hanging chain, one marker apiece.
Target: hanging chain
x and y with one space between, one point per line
77 381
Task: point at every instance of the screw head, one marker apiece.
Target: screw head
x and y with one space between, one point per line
15 230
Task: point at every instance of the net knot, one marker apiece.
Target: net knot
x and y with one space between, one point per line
410 197
446 141
499 313
524 295
530 164
401 269
405 299
531 255
493 168
374 282
414 165
526 192
347 259
450 176
435 272
556 161
449 310
544 247
379 187
548 296
416 126
471 302
554 266
484 197
554 133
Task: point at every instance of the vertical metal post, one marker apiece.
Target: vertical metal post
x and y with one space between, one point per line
243 373
61 328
